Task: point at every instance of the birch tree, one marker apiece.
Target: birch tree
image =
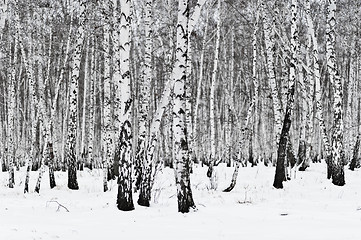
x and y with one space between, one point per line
212 107
284 138
270 44
125 198
146 167
107 137
73 98
180 145
11 110
337 168
34 103
310 83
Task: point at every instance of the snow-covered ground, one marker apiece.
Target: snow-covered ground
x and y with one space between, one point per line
309 207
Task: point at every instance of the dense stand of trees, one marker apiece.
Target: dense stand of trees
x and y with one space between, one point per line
129 86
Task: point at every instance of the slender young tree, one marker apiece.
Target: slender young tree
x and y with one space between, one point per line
107 131
92 101
11 111
212 100
117 42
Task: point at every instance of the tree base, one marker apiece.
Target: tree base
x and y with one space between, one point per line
142 201
338 181
125 205
278 185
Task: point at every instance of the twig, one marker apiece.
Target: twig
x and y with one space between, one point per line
59 205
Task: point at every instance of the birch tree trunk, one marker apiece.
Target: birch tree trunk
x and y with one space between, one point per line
311 85
270 45
11 111
125 198
280 175
34 104
44 118
92 101
117 78
180 146
73 98
338 176
212 106
144 97
107 138
85 103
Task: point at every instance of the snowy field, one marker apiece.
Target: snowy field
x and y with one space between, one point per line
309 207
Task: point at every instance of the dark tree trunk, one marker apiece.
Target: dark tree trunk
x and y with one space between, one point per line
353 163
291 158
301 152
281 153
125 197
338 175
250 148
329 166
145 187
284 138
72 178
51 165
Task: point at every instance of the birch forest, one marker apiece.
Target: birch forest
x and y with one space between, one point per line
125 89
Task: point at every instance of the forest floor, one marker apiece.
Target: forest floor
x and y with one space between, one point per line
309 207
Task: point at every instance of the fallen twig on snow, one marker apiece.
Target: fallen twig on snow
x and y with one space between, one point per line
59 205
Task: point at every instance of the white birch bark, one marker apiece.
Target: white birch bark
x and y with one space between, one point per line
73 100
124 198
92 100
107 138
117 79
34 103
146 166
212 106
45 120
11 112
337 168
85 103
270 42
281 165
180 146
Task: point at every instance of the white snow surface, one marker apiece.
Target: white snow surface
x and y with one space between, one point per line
309 207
